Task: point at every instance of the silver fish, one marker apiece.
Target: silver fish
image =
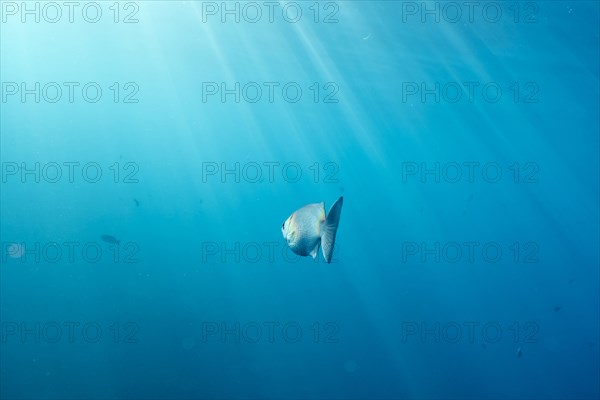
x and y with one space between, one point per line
308 227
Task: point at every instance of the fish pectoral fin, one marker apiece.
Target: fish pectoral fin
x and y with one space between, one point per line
313 253
329 229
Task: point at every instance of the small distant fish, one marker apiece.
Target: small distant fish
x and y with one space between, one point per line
557 308
519 352
309 227
137 203
110 239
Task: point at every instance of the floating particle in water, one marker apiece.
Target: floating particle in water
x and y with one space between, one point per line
15 250
367 37
110 239
557 308
137 203
519 352
351 366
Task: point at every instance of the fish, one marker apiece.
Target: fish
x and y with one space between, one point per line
308 228
557 308
110 239
137 203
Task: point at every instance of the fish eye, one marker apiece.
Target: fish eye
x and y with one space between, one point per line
283 225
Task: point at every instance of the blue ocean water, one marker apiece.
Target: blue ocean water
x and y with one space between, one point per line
463 137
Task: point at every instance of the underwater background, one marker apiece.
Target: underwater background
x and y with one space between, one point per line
151 151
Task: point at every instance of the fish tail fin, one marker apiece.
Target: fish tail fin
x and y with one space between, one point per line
329 229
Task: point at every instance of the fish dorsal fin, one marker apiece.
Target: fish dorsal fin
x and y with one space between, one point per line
329 229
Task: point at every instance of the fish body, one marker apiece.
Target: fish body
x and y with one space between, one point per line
309 227
110 239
